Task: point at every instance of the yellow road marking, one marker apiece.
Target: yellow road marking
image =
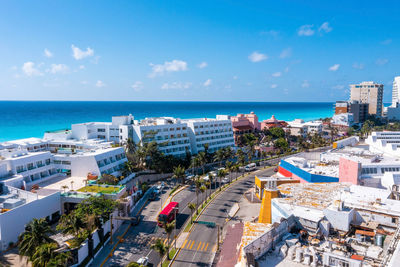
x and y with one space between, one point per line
188 244
204 243
184 243
192 244
214 249
198 246
205 249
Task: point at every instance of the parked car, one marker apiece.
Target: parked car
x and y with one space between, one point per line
250 167
225 180
143 261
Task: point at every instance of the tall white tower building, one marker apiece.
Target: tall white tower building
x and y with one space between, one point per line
395 92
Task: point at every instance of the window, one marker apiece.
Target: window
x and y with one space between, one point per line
101 130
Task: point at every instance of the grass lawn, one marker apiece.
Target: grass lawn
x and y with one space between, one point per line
171 255
99 189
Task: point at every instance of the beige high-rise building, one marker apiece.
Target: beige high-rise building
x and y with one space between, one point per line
371 93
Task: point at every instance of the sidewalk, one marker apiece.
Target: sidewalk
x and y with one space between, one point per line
231 247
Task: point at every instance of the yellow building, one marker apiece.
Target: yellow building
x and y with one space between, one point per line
266 190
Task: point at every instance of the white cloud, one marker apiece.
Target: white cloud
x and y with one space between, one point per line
100 84
207 83
286 53
257 57
58 68
79 54
30 70
82 67
273 86
84 82
359 66
277 74
176 85
306 30
305 84
171 66
325 27
235 77
14 68
381 61
338 87
202 65
137 86
287 69
386 42
334 67
47 53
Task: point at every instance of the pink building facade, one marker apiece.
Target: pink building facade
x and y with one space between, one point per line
349 171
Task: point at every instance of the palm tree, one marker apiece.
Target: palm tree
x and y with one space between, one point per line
219 156
228 167
192 207
159 247
61 259
229 153
202 160
208 185
71 224
179 173
44 254
202 189
235 168
240 156
36 234
198 185
211 178
221 174
169 227
195 163
64 187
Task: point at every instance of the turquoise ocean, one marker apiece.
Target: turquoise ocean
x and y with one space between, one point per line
23 119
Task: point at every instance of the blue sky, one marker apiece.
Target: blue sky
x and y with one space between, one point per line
196 50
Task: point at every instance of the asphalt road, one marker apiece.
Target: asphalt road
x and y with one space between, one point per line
200 246
138 239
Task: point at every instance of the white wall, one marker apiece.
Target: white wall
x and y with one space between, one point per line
13 222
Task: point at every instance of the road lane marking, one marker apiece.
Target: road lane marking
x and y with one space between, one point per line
202 248
198 246
188 244
192 244
205 249
184 243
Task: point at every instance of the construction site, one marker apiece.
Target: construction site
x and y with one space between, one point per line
323 224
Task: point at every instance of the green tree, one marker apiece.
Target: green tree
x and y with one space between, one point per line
219 156
179 174
160 247
221 174
60 260
198 184
169 228
36 233
100 207
133 264
202 160
71 224
192 207
108 179
229 168
281 143
229 153
277 132
212 179
44 254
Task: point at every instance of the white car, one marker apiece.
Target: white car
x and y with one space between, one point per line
143 261
225 180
